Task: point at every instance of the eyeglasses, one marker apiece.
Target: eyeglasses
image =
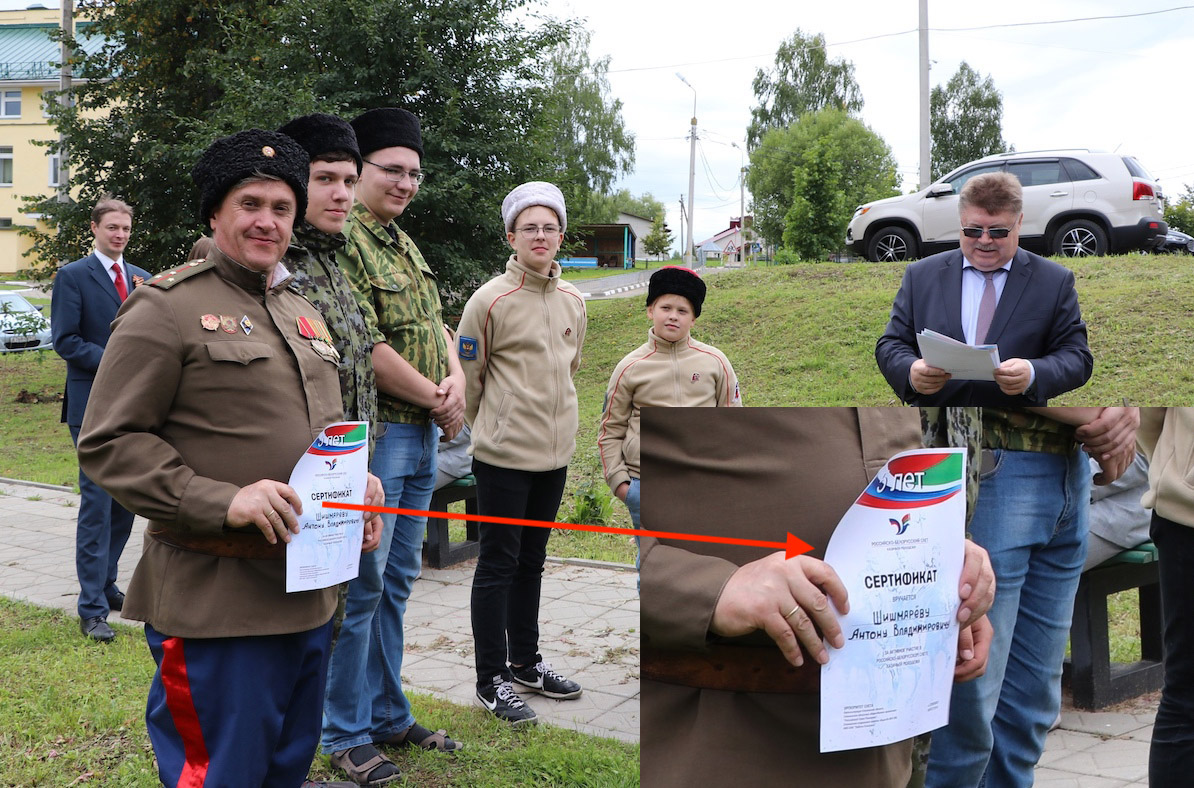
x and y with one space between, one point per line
531 230
397 174
995 232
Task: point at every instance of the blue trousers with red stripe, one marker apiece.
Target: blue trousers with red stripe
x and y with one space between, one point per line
237 711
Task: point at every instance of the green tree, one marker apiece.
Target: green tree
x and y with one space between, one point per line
176 74
812 225
868 169
965 120
659 240
1179 213
583 127
803 80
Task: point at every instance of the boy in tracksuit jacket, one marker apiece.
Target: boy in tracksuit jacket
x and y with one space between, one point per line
671 369
519 343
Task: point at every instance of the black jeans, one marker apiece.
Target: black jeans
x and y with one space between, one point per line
1171 757
509 574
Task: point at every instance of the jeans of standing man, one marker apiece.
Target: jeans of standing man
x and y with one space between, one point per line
1031 516
365 701
102 530
1171 757
509 574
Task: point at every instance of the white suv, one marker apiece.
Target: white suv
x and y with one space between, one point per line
1076 203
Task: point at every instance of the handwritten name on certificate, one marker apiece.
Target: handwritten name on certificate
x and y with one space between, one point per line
899 550
327 548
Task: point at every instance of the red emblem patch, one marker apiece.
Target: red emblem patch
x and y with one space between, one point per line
209 322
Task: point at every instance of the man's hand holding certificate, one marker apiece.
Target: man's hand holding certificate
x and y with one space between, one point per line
960 360
327 548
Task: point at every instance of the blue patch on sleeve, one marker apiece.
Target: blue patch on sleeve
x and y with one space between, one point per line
468 349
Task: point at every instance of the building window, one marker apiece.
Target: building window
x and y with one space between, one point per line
6 166
5 223
10 104
54 162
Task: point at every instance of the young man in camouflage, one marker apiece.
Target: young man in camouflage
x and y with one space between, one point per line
335 168
420 385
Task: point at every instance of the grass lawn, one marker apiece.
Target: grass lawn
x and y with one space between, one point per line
74 714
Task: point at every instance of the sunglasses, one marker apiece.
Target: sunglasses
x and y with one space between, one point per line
994 232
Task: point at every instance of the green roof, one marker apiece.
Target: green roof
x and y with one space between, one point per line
28 53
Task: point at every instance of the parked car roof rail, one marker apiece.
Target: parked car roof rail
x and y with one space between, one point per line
1043 151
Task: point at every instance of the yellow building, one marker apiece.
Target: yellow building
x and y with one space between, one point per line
28 68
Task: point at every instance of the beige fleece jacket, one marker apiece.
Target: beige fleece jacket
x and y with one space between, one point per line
519 343
1166 436
682 374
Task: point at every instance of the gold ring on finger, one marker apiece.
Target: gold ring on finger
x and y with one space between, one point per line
790 613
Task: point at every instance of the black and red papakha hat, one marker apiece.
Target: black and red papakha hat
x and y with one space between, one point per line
321 133
229 160
677 280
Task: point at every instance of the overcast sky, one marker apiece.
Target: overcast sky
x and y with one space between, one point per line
1091 84
1099 84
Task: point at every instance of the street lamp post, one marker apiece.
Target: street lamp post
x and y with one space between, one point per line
688 250
741 203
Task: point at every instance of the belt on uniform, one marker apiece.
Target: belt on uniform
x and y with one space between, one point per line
731 669
229 544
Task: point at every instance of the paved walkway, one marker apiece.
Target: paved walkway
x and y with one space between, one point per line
630 283
589 611
591 621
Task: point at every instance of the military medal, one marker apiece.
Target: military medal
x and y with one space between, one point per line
325 350
209 322
246 324
228 324
305 329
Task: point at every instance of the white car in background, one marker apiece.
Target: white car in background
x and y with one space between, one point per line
1076 203
22 326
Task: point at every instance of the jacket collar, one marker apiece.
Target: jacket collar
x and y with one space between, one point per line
246 279
533 280
659 343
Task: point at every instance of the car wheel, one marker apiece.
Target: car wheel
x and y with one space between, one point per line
891 244
1080 238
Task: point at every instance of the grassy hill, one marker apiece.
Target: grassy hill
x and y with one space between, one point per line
796 335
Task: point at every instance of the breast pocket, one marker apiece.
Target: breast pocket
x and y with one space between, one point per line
239 352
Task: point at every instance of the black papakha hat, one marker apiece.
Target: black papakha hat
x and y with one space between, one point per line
388 127
677 280
320 133
231 159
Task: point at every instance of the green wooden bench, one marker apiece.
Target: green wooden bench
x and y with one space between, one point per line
439 550
1095 681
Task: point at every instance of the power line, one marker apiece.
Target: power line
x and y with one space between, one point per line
1061 21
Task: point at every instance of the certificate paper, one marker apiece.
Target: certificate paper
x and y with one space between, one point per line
327 548
899 551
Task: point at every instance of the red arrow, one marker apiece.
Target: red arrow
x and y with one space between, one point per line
792 547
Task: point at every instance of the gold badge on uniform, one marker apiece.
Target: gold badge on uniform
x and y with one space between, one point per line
228 324
209 322
246 324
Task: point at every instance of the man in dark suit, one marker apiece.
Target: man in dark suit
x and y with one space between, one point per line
87 293
988 292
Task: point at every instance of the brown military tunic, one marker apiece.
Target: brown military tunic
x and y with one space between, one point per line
183 414
753 473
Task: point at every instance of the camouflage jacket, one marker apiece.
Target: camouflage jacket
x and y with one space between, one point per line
396 291
311 258
957 428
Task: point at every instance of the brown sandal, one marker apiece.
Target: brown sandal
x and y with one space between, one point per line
418 736
365 765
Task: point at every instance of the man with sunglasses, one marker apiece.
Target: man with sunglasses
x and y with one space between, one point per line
988 292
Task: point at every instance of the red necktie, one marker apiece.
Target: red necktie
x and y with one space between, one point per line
121 290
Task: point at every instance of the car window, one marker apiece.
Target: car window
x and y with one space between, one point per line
959 180
1079 171
14 303
1135 168
1037 173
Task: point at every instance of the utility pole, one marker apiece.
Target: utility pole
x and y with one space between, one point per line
688 250
926 170
64 97
683 218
